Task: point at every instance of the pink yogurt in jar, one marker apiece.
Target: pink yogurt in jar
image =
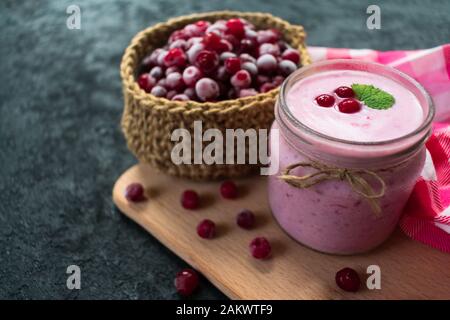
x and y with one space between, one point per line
331 216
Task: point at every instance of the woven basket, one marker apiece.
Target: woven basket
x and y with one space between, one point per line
149 121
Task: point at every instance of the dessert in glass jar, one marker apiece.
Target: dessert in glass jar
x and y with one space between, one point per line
351 147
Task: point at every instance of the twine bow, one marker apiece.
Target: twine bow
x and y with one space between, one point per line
354 177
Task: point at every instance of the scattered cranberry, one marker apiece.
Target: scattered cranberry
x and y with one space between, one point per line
260 248
135 192
325 100
245 219
348 279
186 282
207 60
267 63
232 65
228 190
206 229
287 67
190 200
241 79
158 91
236 28
191 75
349 106
292 55
345 92
207 89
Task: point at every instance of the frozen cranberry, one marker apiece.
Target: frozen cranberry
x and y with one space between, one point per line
268 36
224 45
180 43
261 79
206 229
207 89
345 92
162 83
228 190
193 51
203 25
217 28
191 75
171 94
348 279
227 54
260 248
135 192
266 63
175 57
232 40
270 48
191 41
190 93
190 200
292 55
193 30
146 82
146 64
180 97
248 46
160 59
186 282
207 61
156 73
236 28
247 93
251 68
171 70
325 100
153 58
212 41
251 34
245 219
266 87
158 91
241 79
232 65
178 34
278 80
245 57
349 106
222 74
175 81
283 45
286 67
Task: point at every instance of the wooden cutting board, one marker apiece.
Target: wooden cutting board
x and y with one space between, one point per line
409 269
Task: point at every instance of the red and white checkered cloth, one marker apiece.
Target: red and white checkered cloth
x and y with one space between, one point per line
426 217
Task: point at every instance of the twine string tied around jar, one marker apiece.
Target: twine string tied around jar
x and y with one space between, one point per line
354 177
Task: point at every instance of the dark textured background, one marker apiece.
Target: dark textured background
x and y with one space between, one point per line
61 148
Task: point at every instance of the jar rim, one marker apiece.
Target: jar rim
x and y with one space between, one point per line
423 128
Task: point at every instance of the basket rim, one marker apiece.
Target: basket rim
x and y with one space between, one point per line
129 58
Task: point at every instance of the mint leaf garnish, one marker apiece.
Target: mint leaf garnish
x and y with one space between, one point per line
373 97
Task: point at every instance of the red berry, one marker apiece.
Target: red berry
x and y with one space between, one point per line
241 79
344 92
159 91
261 79
245 57
232 65
292 55
171 70
156 73
212 41
180 97
286 67
206 229
266 87
269 48
178 34
260 248
267 63
247 93
207 89
245 219
180 43
191 75
190 200
175 81
277 80
236 28
268 36
228 190
222 74
193 30
251 68
225 55
135 192
203 25
348 279
171 94
175 57
146 82
207 61
186 282
232 40
190 92
349 106
153 58
160 59
325 100
248 46
193 51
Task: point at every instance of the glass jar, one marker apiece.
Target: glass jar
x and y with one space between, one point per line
334 216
